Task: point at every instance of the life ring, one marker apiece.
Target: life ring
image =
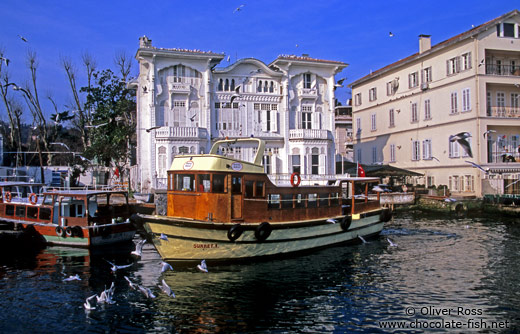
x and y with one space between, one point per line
295 183
345 223
77 231
235 232
33 198
68 231
59 231
7 196
263 231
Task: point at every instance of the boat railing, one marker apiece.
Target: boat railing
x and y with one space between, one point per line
306 179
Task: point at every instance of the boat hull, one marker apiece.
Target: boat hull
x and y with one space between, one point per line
196 241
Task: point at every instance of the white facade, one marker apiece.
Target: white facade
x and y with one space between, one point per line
184 105
405 112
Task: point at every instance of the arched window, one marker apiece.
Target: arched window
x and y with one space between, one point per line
315 161
226 87
259 88
266 86
271 88
232 84
220 85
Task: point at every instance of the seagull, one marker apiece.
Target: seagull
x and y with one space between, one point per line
88 305
228 59
391 34
192 118
482 62
23 38
488 132
332 221
485 170
509 185
96 126
163 237
362 239
146 291
235 95
138 248
461 139
392 244
165 267
378 189
5 60
202 266
132 285
61 144
435 158
72 278
166 289
239 8
450 199
116 267
83 158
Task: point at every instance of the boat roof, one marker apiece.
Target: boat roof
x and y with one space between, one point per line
84 192
19 183
359 179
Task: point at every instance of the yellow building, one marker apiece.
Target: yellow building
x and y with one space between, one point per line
405 113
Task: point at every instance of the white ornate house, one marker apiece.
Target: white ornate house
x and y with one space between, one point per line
184 105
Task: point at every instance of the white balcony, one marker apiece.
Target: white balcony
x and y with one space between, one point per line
180 132
179 87
503 112
297 134
308 93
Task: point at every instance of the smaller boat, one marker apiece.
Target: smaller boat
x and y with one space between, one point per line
81 218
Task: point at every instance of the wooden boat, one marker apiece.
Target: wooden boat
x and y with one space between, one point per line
82 218
224 209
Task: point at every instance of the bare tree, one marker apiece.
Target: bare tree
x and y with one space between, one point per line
123 63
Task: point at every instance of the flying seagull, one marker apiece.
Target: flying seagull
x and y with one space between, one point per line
116 267
83 158
72 278
391 34
166 289
88 305
362 239
482 62
96 126
332 221
485 170
163 237
235 95
132 285
392 244
139 248
5 60
228 59
239 8
202 266
146 291
61 144
488 132
165 267
461 139
192 118
23 38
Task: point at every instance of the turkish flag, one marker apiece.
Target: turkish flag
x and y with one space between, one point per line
360 171
116 173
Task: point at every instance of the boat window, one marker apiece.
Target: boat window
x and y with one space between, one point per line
250 186
218 183
236 185
9 210
312 202
259 189
299 201
273 201
184 182
324 199
20 211
45 213
32 212
287 201
204 183
334 199
47 200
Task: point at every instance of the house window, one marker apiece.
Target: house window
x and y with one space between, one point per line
372 94
466 102
427 74
358 125
357 99
470 183
315 163
416 150
453 66
389 90
453 109
466 61
501 104
489 103
464 153
415 113
427 110
307 80
391 116
430 181
413 80
392 152
427 149
220 85
374 154
226 85
373 122
454 149
267 164
296 163
508 30
515 102
358 155
306 117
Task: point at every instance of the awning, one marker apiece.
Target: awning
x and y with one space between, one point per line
379 170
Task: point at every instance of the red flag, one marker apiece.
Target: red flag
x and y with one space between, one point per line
116 173
360 171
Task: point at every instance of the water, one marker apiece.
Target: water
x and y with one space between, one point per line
437 266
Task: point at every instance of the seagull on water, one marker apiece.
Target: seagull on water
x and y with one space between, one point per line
485 170
163 237
132 285
166 289
202 266
139 248
88 306
392 244
72 278
146 291
488 132
461 138
116 267
165 266
362 239
106 295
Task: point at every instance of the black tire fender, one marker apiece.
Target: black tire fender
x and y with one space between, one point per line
235 232
263 231
59 232
345 223
68 231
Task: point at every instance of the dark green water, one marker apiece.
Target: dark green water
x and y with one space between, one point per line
443 272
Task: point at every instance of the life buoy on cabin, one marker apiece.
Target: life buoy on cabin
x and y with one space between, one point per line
68 231
33 198
345 223
59 231
295 179
263 231
7 196
77 231
235 232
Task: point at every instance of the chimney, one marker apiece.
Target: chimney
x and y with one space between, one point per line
145 42
425 43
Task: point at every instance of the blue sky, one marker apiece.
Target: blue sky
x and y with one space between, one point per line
355 32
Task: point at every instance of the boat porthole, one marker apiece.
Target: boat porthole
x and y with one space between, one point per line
263 231
235 232
68 231
77 231
345 223
59 231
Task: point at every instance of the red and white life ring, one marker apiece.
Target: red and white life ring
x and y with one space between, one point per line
33 198
7 196
295 179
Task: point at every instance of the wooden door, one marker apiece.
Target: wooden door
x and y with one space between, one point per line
236 197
